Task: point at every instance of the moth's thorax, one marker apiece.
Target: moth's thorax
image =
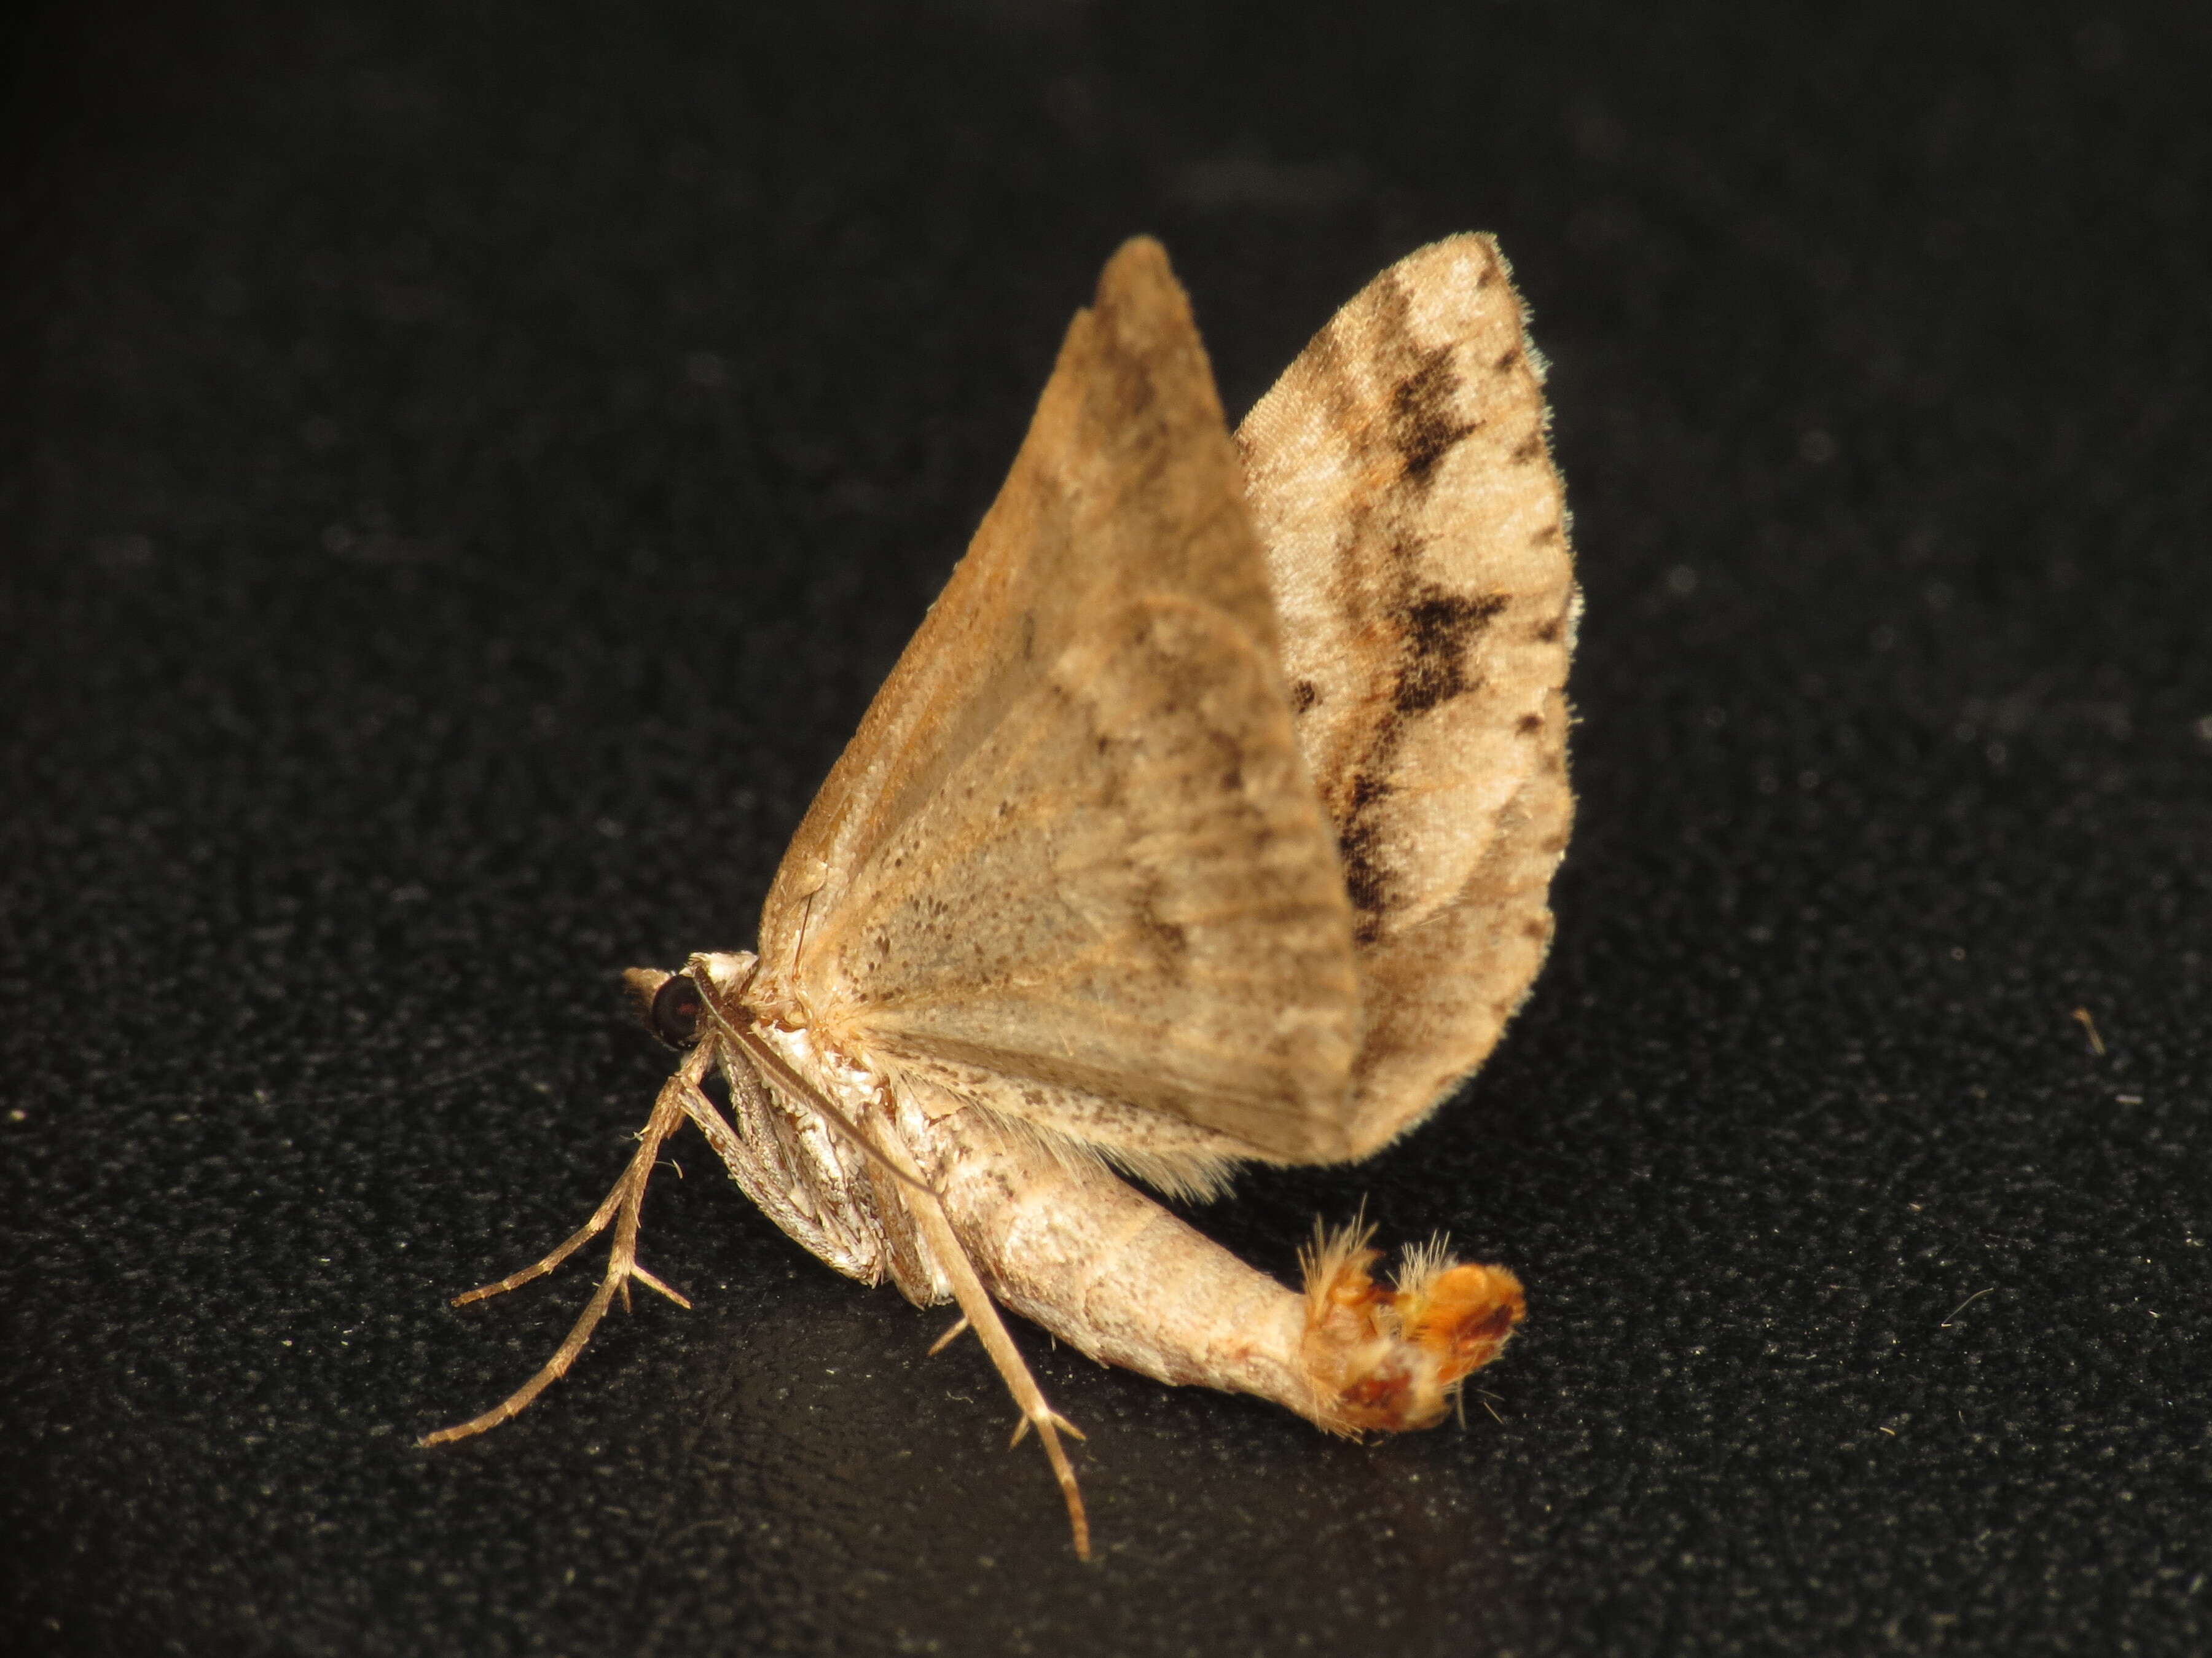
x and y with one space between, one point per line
749 988
796 1159
851 1084
726 974
770 1006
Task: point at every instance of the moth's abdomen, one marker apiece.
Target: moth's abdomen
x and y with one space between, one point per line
1062 1241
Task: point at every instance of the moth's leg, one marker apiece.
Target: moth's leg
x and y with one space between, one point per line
753 1140
754 1159
981 1313
622 1205
757 1158
730 1145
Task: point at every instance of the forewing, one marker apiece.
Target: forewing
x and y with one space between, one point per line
1127 891
1416 539
1073 844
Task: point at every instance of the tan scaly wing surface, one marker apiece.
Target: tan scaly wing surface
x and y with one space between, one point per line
1417 543
1072 864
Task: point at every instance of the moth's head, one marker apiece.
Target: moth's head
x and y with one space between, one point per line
675 1006
668 1003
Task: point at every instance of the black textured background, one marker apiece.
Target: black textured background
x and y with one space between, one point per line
462 468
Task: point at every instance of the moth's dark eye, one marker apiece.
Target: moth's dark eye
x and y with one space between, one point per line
677 1012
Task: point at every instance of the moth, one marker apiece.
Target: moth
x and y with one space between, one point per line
1208 819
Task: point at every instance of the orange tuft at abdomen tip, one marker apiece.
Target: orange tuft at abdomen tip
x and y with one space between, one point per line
1464 1316
1387 1359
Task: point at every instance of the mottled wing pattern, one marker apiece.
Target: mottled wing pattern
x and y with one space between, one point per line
1416 539
1072 856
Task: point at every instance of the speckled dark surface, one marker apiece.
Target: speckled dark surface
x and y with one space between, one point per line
462 471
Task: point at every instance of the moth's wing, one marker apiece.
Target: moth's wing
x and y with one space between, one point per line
1416 540
1073 851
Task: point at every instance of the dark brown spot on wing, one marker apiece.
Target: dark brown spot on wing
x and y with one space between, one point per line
1166 944
1363 880
1303 695
1439 626
1358 844
1423 424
